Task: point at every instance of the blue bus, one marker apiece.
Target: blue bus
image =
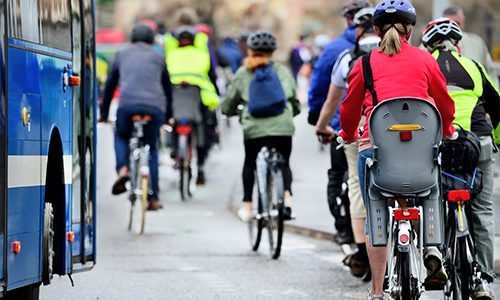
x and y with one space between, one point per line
47 143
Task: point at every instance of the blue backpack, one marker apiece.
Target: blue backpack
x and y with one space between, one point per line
266 93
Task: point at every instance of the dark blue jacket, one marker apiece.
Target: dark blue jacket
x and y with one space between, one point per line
320 79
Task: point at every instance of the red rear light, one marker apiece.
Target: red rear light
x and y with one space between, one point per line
458 195
406 214
405 135
183 129
404 238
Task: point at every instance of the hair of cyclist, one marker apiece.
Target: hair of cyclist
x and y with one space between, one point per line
185 16
391 37
453 10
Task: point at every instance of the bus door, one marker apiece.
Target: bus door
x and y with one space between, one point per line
84 135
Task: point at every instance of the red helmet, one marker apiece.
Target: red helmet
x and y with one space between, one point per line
351 7
151 24
205 28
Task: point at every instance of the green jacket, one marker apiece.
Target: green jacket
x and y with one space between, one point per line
473 92
280 125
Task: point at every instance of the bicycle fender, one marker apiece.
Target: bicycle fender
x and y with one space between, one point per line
462 224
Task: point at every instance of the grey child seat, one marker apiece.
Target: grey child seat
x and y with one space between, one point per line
405 134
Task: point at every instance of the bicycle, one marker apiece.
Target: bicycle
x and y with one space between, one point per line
404 172
268 211
187 114
460 258
140 183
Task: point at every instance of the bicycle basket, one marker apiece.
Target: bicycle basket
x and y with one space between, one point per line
187 103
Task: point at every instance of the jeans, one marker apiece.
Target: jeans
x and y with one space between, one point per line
124 127
362 156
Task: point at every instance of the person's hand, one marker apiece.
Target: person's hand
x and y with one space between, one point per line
325 135
452 137
102 120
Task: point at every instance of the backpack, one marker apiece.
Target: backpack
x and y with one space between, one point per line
460 155
358 51
266 96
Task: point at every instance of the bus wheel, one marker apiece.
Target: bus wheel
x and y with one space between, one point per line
48 244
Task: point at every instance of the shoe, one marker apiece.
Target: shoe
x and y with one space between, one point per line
155 205
375 297
200 180
244 215
119 185
287 213
343 238
436 275
483 291
358 269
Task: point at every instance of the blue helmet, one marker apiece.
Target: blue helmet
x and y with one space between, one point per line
394 9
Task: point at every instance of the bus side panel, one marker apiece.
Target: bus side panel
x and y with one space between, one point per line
24 267
56 111
24 72
17 129
24 210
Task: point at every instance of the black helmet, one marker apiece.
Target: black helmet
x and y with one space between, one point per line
185 34
262 40
394 9
142 33
353 6
440 30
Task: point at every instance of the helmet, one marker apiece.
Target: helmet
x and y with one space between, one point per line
363 17
351 7
151 24
205 28
262 40
185 34
321 40
394 9
142 33
440 30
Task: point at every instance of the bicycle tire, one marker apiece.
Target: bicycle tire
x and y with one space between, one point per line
134 179
256 225
275 224
144 202
404 275
465 267
184 164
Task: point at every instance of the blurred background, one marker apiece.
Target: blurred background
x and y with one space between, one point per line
288 19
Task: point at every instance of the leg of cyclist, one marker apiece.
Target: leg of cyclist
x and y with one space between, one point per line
338 203
359 262
482 213
252 148
284 145
151 134
377 255
122 135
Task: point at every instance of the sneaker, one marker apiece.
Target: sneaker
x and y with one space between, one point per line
244 215
436 275
343 238
155 205
119 185
287 213
483 291
375 297
200 180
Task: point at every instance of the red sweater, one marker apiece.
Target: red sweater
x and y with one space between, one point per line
410 73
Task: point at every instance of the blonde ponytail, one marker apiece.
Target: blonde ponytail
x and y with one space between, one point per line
391 38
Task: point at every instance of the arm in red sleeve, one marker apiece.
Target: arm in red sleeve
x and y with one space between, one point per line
444 103
352 106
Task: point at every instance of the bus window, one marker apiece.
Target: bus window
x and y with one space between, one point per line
55 24
23 20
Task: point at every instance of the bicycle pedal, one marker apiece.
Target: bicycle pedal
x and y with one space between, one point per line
434 284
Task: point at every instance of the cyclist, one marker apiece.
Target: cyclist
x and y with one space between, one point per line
367 41
399 70
188 60
318 91
474 94
145 89
275 131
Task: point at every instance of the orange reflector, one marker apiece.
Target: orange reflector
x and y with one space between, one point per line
16 247
183 129
406 214
458 195
74 80
404 238
405 135
71 236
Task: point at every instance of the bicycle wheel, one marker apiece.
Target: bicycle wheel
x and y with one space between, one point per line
404 275
132 197
465 267
275 191
185 169
255 227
